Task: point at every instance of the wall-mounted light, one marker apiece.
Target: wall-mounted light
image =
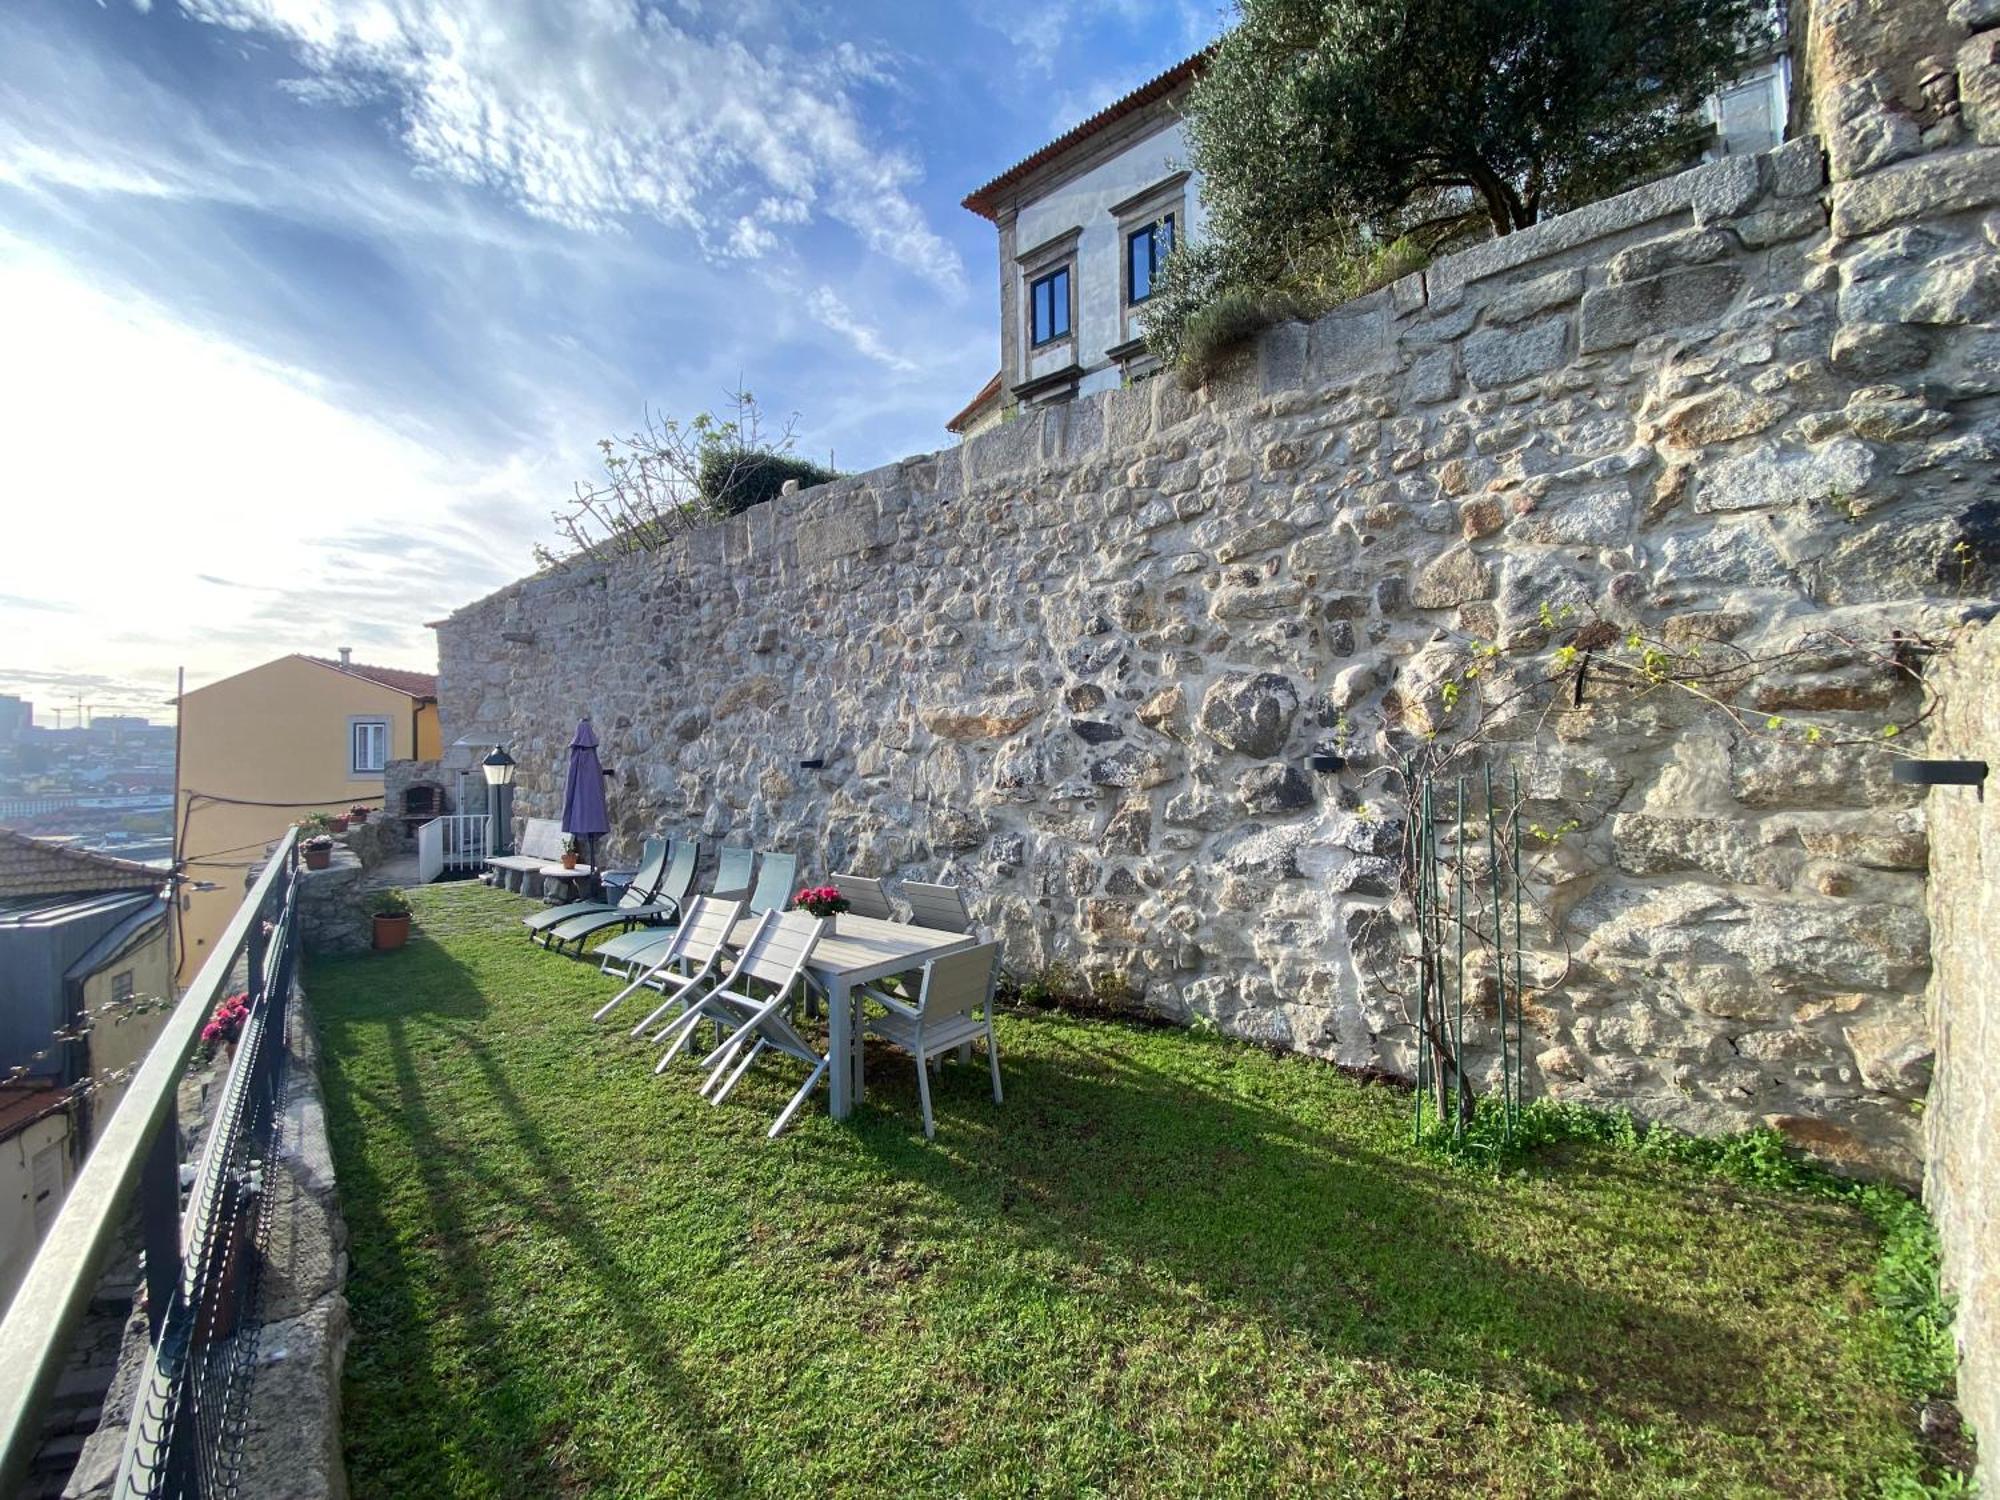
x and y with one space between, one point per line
1940 773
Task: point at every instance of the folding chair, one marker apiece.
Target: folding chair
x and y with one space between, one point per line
733 870
629 952
776 956
690 959
954 1008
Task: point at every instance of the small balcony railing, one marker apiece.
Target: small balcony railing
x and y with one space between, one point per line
201 1258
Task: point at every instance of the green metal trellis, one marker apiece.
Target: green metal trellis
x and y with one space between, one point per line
1451 907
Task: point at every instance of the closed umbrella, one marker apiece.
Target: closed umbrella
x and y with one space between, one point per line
583 790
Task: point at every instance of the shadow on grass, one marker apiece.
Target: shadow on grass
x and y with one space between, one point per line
1369 1256
1145 1180
397 1361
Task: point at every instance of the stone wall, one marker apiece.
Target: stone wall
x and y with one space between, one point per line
1077 663
334 916
1962 1117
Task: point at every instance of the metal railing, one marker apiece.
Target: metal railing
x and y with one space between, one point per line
201 1263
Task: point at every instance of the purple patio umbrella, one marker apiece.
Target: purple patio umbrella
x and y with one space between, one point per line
583 789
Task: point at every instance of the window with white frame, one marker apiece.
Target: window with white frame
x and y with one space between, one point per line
367 746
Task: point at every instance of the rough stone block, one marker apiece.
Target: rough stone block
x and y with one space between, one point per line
1781 224
1281 358
1948 182
1406 294
1538 294
1507 356
1251 714
1614 316
1349 341
1728 188
1453 579
1003 450
1275 789
1979 87
1434 377
1684 247
1771 475
1798 168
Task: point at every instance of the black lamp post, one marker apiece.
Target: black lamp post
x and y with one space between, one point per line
498 769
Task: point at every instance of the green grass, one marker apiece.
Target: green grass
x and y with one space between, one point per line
1169 1264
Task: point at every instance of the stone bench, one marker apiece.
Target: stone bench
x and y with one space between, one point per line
541 844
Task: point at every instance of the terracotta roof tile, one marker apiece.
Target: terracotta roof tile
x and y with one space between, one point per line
987 392
982 201
414 684
36 867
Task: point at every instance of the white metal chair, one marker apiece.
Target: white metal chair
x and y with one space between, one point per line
865 897
690 959
954 1008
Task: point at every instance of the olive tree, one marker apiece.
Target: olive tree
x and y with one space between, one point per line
1340 138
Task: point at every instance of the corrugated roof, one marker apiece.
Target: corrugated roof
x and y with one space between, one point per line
414 684
34 867
144 919
982 200
988 392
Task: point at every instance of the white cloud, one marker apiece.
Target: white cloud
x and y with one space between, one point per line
824 304
594 110
200 505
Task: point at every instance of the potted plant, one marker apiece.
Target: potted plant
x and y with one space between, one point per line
318 851
572 847
337 822
822 901
391 910
358 814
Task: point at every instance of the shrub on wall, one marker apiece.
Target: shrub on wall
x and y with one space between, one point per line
732 480
673 475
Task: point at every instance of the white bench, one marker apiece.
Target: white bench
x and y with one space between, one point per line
541 844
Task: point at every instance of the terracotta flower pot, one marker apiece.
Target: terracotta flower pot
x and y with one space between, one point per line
569 861
340 825
391 932
318 859
358 816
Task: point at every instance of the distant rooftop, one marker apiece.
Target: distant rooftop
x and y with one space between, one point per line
415 684
31 868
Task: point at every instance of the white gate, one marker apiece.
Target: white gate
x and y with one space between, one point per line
430 850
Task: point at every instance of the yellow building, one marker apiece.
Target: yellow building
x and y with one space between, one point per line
260 750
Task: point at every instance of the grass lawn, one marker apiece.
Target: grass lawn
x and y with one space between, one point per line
1168 1265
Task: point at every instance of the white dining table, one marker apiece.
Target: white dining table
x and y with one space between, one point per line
851 952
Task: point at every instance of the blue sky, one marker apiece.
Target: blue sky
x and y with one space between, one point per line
312 309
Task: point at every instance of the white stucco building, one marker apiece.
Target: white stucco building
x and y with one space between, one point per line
1084 221
1083 224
